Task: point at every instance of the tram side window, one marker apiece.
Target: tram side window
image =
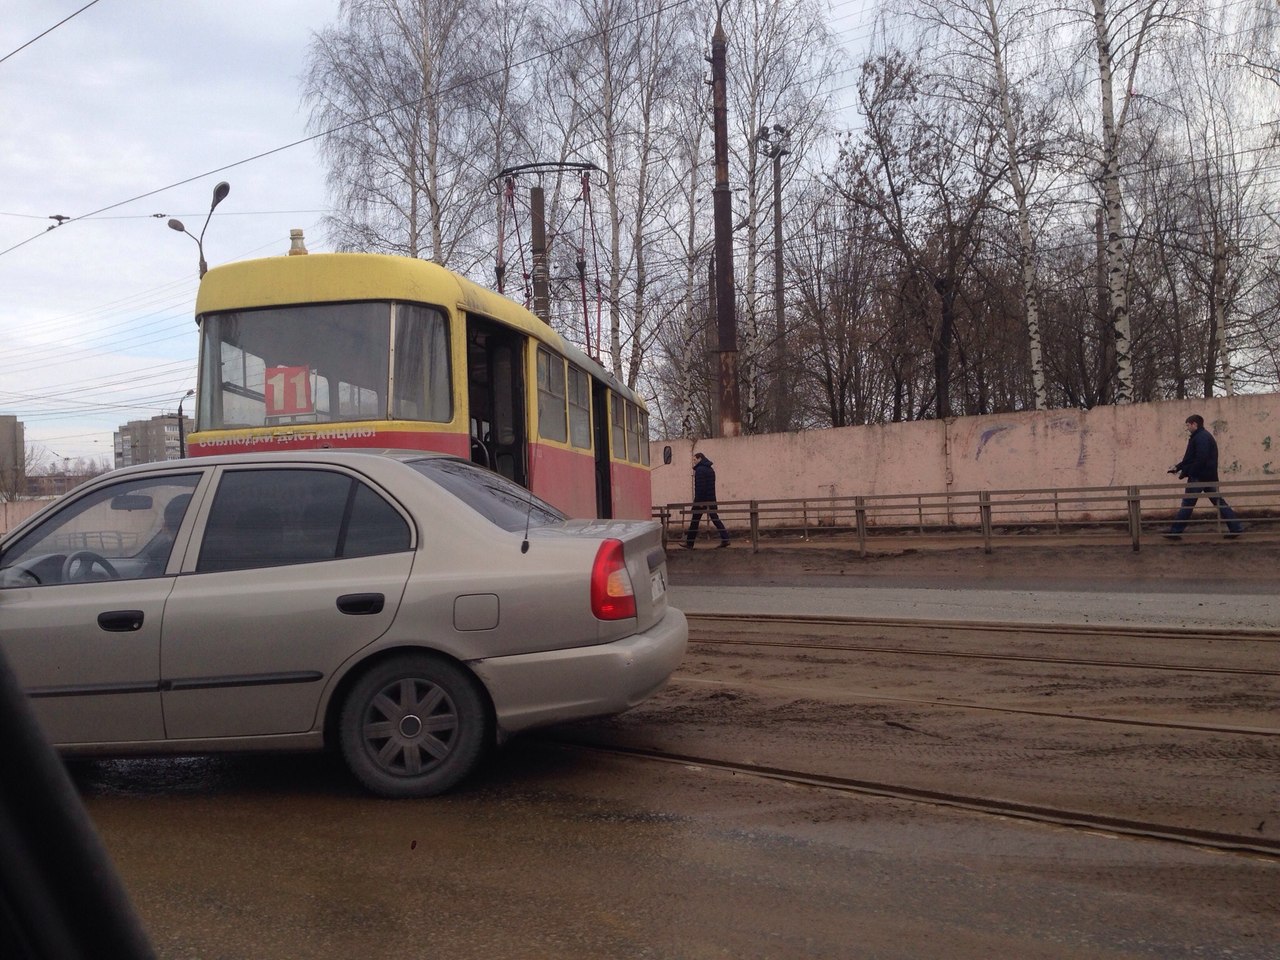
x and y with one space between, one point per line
644 438
551 397
618 406
423 382
633 433
579 408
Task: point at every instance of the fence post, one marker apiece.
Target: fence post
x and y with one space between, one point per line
664 516
1135 518
860 513
755 526
984 510
804 510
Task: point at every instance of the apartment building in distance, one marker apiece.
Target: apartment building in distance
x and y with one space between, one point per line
148 441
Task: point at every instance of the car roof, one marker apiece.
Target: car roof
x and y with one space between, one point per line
345 456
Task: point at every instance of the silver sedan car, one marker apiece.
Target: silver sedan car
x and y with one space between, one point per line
409 609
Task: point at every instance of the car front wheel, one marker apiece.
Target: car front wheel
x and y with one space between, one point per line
413 726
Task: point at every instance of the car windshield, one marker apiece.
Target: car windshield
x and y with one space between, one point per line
321 363
491 495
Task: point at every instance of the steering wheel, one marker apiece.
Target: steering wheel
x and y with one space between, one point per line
86 561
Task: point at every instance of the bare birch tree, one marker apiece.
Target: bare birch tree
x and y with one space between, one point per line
618 64
929 179
842 334
1123 32
393 90
1218 106
974 45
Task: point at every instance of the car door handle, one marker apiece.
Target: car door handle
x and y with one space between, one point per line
120 621
361 604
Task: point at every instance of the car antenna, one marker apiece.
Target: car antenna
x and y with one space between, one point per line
524 544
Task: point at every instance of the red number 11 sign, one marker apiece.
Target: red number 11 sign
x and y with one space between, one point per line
288 391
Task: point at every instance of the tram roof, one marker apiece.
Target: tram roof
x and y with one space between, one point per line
337 277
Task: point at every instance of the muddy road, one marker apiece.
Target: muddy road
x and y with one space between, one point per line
561 851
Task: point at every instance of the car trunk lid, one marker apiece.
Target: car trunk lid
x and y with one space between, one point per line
645 559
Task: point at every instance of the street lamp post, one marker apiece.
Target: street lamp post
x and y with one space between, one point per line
66 467
775 143
219 194
182 439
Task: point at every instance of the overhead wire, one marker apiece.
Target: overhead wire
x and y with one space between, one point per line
473 80
38 36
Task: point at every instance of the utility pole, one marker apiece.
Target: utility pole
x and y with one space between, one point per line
710 338
538 241
506 195
775 143
730 418
504 184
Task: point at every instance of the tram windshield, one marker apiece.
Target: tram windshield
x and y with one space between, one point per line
324 363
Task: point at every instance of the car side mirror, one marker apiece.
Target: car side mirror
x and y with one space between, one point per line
666 454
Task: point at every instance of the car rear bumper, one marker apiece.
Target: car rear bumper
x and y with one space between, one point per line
536 689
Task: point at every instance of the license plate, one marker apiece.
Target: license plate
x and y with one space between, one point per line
658 583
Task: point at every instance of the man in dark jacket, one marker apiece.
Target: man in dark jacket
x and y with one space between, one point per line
704 495
1199 467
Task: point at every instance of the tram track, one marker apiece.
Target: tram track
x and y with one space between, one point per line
1015 658
953 704
717 621
993 626
1062 817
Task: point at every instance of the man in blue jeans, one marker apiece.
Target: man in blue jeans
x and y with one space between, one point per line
1199 467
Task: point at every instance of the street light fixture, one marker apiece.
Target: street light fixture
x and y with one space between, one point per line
219 194
182 439
66 470
775 143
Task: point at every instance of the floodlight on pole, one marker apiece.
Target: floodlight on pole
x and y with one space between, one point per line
219 194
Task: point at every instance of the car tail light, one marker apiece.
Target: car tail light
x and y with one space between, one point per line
612 597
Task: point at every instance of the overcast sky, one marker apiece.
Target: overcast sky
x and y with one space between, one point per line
156 100
124 99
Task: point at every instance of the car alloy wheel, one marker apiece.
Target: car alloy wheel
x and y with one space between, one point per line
413 726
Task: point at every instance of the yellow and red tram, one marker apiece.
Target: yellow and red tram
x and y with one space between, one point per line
368 350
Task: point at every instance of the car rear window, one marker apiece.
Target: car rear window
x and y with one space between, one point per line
489 494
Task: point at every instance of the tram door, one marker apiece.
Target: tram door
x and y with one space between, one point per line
495 396
604 476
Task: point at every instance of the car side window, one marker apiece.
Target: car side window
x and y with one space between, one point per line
124 531
374 526
267 518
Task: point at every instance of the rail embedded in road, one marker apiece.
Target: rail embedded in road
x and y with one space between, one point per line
1075 819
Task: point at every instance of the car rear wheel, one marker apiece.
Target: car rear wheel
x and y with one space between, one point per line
413 726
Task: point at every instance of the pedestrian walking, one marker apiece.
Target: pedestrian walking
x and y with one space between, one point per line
1199 467
704 496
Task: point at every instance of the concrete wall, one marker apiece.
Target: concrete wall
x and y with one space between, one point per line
1106 446
13 513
